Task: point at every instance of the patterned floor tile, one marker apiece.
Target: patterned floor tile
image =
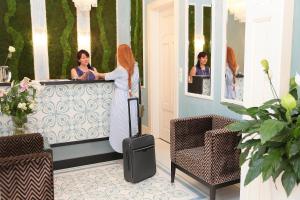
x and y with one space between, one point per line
105 181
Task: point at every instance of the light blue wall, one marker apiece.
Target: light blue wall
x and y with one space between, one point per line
296 40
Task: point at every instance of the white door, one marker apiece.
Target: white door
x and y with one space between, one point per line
166 72
268 36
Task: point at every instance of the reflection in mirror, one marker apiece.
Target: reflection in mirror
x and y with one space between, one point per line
199 51
235 48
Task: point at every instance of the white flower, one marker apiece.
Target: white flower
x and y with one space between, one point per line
32 106
22 106
11 49
36 85
297 79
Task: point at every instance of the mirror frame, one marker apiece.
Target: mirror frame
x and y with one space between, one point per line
212 44
224 45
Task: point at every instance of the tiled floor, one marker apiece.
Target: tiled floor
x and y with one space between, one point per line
65 182
105 181
163 156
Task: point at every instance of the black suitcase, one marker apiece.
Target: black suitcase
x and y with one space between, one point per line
138 152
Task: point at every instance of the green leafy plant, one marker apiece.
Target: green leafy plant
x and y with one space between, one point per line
271 138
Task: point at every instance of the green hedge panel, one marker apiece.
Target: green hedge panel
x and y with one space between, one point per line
62 37
207 32
5 39
16 30
136 22
191 36
104 35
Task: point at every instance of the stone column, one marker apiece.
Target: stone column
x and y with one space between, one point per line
83 8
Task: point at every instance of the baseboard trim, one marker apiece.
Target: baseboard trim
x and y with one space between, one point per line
78 142
87 160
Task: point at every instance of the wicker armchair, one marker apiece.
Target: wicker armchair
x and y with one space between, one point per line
202 148
26 170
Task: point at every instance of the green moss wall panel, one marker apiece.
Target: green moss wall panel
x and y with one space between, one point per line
137 33
15 23
5 39
207 32
62 37
191 36
104 35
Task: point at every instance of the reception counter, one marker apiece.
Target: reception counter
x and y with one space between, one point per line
69 111
73 117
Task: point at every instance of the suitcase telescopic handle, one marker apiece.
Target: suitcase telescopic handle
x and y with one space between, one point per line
137 114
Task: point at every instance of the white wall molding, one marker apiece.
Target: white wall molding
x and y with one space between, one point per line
85 5
83 9
40 41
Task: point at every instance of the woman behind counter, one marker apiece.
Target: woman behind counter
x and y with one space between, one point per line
84 71
126 80
200 68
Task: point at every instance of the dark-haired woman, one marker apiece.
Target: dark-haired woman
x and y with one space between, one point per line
84 71
200 68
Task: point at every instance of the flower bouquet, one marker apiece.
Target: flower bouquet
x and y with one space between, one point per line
18 101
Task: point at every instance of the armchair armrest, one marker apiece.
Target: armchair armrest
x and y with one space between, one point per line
223 160
188 133
33 172
21 144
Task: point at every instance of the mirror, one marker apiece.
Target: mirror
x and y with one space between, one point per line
234 51
199 32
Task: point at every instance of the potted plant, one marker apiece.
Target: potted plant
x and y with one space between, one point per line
271 137
18 101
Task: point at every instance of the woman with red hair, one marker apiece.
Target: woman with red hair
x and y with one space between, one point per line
230 73
126 80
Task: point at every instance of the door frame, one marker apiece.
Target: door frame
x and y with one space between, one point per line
153 10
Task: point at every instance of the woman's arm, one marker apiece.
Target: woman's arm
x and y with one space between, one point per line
75 76
192 73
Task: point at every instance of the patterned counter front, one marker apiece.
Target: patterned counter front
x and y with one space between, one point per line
69 111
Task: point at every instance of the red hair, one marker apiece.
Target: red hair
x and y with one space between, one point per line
126 60
231 60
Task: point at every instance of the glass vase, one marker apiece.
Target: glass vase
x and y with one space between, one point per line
5 74
19 124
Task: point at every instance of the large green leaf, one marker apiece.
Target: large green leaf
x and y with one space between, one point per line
244 155
278 170
296 132
249 143
239 126
293 148
271 163
288 180
270 128
236 108
268 104
254 170
253 112
296 166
